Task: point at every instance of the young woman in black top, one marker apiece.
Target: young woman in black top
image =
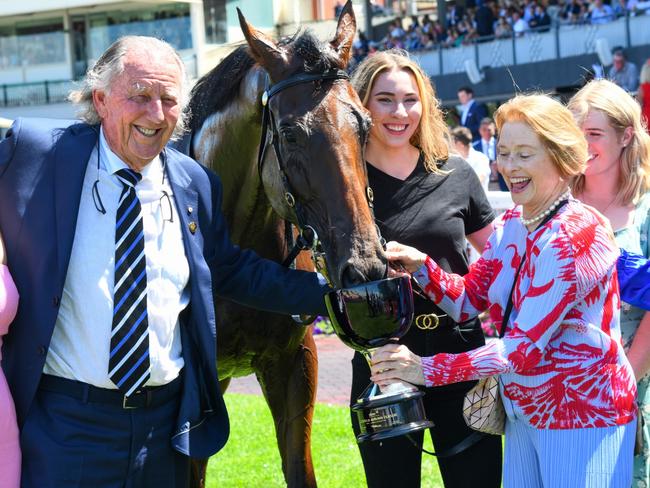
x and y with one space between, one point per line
430 200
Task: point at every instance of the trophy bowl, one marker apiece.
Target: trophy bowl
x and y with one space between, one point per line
368 316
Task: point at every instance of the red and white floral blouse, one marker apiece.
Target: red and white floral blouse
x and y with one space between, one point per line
561 362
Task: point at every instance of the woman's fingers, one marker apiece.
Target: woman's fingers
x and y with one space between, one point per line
395 362
404 256
396 273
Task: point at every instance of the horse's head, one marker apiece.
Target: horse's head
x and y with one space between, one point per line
315 155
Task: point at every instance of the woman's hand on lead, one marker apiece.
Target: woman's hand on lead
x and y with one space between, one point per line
401 256
394 362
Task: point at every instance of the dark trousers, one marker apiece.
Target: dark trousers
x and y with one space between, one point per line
397 462
67 443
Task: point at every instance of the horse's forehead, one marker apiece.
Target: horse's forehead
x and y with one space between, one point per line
307 98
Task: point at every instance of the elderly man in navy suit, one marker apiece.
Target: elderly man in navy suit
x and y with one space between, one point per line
471 112
116 243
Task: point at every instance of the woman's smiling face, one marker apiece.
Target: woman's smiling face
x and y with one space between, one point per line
532 177
605 145
396 108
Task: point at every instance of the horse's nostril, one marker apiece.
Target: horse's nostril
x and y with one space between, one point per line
351 276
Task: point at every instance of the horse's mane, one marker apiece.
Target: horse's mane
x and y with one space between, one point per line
220 87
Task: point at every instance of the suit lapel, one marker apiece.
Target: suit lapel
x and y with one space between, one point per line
187 201
72 153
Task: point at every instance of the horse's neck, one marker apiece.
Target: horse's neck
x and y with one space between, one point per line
228 143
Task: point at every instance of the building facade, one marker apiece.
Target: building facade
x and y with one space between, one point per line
58 39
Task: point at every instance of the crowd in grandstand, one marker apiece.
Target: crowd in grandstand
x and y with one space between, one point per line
496 19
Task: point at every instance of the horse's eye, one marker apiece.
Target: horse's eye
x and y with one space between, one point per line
363 123
289 134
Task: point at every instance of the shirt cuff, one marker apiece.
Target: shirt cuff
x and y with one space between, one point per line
428 370
421 275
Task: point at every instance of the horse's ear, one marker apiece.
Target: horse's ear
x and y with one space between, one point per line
265 51
345 32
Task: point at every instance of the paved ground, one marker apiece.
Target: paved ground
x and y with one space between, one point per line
334 373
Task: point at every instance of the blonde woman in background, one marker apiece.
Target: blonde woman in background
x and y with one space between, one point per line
617 183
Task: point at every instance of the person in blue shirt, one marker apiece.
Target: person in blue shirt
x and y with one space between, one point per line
634 279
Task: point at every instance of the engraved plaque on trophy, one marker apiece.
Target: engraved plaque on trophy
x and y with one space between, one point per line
366 317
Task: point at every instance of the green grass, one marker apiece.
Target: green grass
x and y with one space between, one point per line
251 458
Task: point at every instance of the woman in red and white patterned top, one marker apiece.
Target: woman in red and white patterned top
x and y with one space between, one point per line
567 387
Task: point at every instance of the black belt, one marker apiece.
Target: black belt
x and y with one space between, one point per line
149 396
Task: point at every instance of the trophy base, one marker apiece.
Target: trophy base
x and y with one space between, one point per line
389 415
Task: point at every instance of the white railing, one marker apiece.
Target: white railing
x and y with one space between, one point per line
560 41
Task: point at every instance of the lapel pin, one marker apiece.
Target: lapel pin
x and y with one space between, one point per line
190 210
192 226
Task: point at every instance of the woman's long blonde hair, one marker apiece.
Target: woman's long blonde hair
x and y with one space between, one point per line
622 111
432 134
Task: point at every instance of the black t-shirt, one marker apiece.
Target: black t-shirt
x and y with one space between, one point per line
433 213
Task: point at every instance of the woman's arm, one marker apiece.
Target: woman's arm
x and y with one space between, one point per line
639 353
480 238
551 293
8 293
395 362
556 282
462 297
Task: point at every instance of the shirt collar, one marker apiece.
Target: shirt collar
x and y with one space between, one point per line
112 163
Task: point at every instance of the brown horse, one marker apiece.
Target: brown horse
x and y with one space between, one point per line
316 155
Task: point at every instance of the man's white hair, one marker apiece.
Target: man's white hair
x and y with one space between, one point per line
111 64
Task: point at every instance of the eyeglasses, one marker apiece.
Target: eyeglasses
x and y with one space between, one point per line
165 201
166 208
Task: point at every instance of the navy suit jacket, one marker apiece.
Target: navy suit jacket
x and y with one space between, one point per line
477 112
478 146
42 167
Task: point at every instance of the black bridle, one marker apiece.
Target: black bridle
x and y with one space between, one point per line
307 238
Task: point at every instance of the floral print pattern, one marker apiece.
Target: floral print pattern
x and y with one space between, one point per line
561 362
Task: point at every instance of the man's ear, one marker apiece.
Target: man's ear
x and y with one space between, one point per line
99 101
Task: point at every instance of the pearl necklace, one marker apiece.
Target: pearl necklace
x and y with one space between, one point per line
547 212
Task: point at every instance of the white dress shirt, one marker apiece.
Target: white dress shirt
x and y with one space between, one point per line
465 111
481 165
489 148
80 344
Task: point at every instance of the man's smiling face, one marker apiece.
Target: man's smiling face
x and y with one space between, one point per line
141 108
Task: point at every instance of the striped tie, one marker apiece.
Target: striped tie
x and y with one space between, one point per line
128 365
